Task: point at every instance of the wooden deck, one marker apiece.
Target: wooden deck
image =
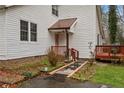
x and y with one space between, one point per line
109 52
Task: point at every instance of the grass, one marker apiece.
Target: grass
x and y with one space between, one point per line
50 68
48 65
109 74
85 72
79 76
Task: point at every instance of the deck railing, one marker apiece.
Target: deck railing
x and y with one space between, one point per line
109 51
74 54
61 50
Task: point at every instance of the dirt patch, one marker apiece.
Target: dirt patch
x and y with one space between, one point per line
10 78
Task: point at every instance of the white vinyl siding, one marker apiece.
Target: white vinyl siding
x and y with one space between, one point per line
85 30
3 45
40 15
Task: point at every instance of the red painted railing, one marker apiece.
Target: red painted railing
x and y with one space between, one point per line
109 51
61 50
74 54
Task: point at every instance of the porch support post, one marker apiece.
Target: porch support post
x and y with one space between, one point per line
67 43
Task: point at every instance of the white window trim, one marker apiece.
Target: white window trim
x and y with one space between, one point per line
29 32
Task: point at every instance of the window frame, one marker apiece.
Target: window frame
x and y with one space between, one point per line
55 10
28 31
24 31
33 32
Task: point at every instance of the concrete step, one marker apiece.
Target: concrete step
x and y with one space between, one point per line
65 71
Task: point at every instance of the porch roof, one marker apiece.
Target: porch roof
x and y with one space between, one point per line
63 24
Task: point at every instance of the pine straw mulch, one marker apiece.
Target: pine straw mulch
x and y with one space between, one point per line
9 79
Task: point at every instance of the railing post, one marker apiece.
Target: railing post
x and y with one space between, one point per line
52 48
77 54
67 43
109 51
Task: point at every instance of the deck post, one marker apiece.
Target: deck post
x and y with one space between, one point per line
67 43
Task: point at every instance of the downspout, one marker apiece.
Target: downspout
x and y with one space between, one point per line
67 43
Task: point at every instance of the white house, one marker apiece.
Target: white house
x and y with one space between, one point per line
30 30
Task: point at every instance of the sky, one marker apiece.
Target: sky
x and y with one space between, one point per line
105 9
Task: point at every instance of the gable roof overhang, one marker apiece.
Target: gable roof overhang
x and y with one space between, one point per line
62 24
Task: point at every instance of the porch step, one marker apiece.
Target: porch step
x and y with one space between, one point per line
71 69
67 61
65 72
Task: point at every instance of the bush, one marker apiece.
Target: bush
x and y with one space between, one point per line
60 58
45 62
52 58
28 74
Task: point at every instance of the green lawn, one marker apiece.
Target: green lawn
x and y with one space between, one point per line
109 74
85 72
101 73
48 65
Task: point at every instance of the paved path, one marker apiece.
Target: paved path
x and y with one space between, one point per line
57 81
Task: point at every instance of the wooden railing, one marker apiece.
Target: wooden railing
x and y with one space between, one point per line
109 51
61 50
74 54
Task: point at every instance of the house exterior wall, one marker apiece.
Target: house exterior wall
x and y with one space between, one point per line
2 35
36 14
85 30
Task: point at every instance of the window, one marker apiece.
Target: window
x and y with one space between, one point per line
23 30
55 10
33 29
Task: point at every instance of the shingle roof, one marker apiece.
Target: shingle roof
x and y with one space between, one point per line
63 24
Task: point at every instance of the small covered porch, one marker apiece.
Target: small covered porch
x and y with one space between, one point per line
62 30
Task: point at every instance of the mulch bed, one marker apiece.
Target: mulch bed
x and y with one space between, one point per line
8 79
15 79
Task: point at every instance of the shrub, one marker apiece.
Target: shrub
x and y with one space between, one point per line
60 58
52 58
45 62
28 74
